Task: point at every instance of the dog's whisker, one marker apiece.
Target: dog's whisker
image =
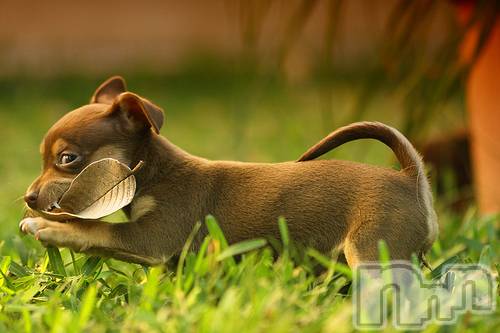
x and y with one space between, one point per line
18 199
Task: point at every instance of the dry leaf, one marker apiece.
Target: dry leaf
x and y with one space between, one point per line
101 189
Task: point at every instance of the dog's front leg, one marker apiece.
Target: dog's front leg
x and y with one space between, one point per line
117 240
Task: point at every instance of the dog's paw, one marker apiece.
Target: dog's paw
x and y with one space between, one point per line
32 225
54 233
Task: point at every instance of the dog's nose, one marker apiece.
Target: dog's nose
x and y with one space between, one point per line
31 198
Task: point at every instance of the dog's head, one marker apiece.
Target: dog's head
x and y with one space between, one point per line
115 124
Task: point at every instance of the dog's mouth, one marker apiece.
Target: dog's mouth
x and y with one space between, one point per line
52 207
50 195
100 189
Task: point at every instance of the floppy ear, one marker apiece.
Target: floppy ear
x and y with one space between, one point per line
108 90
140 112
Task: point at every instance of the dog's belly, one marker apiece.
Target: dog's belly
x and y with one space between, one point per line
320 200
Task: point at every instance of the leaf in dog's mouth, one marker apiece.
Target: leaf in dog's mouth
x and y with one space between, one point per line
100 189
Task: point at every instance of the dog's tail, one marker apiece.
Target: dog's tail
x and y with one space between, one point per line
408 157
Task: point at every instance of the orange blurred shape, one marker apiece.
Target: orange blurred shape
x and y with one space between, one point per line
483 104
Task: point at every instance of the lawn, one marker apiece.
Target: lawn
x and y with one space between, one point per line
239 288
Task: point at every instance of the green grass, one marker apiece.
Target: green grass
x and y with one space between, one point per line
221 288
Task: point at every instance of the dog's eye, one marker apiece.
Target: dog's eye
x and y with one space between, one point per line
67 158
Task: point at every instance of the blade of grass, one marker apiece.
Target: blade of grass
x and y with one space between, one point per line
182 257
73 261
118 291
486 257
385 264
18 270
87 305
285 235
4 265
217 234
27 321
330 264
215 231
5 279
383 251
201 254
242 247
149 293
56 262
440 270
91 265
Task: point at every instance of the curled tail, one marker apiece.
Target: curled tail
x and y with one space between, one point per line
408 157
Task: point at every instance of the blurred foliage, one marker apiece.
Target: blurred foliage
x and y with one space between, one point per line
406 61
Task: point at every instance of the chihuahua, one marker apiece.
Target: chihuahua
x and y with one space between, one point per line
328 204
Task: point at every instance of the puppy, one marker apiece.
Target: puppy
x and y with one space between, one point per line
328 204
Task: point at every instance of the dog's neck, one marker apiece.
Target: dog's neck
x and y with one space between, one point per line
162 159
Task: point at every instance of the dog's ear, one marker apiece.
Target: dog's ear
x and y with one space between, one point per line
139 112
109 90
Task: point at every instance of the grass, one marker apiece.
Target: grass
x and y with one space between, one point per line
220 288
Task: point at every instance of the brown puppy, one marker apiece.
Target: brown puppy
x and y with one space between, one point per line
328 204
